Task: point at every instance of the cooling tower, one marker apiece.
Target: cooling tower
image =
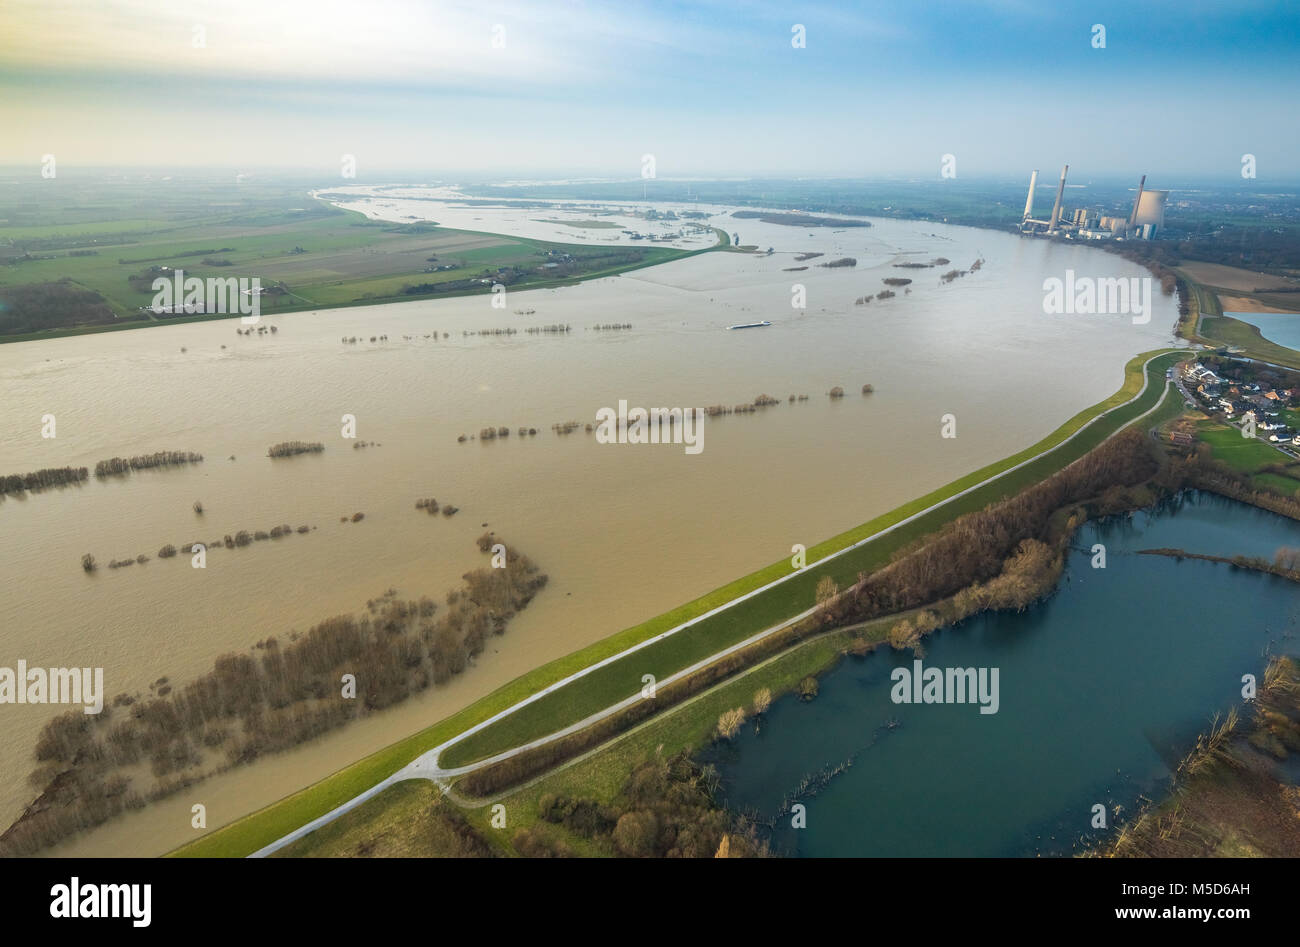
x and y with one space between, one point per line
1133 215
1060 192
1151 209
1029 201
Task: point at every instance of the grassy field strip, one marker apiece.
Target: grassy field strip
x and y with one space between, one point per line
258 829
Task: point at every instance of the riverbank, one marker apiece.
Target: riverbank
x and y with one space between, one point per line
1141 392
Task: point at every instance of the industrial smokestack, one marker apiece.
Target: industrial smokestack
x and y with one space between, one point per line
1029 201
1133 215
1060 192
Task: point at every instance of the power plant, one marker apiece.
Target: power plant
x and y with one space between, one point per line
1143 222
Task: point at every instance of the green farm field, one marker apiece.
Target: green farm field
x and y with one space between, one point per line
320 255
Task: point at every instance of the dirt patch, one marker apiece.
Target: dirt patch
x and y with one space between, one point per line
1236 278
1251 304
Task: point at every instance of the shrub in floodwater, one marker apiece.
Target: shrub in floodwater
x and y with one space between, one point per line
166 552
837 392
358 517
88 562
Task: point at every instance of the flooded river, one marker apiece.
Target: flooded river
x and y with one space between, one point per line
624 532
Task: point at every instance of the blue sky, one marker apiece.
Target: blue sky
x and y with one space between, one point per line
714 88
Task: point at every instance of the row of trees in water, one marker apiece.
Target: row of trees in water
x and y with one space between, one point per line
711 411
18 484
277 695
290 448
120 466
239 540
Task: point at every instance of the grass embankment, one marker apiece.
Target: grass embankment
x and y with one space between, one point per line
261 828
1171 407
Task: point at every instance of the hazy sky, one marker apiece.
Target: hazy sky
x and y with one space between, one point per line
1181 87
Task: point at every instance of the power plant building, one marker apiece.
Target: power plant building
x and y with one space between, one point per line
1151 209
1144 221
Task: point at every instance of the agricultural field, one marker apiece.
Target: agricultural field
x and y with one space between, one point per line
1235 278
1268 468
312 254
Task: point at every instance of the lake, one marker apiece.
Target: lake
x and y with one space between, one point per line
1280 327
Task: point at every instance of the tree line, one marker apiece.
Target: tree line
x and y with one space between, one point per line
17 484
289 448
118 466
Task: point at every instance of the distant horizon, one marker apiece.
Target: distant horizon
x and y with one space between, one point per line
523 178
838 91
